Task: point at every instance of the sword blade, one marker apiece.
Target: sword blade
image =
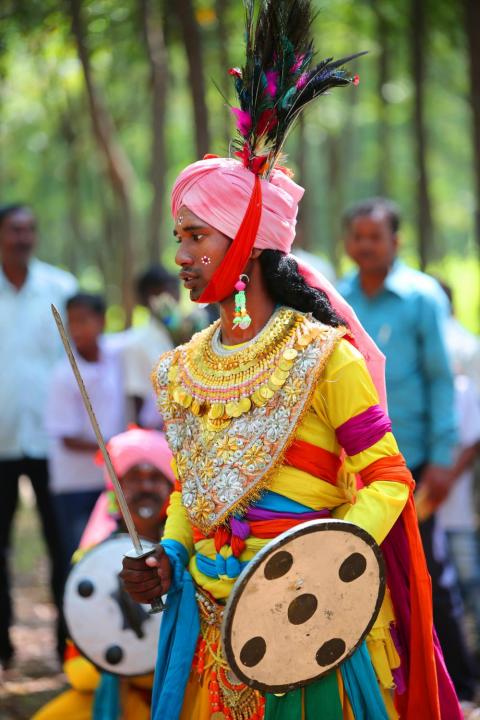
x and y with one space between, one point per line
127 516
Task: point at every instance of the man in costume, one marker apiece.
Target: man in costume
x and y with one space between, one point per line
142 461
268 413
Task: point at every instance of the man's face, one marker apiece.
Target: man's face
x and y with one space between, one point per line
146 491
18 236
371 244
201 249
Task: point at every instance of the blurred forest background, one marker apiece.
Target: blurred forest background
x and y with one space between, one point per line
103 101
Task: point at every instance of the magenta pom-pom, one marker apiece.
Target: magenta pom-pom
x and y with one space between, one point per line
240 285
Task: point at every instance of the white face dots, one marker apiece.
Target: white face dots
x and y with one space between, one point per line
206 260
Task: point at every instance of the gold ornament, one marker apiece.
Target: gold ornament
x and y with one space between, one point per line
224 384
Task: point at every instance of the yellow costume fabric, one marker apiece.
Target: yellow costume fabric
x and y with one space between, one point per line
344 391
77 702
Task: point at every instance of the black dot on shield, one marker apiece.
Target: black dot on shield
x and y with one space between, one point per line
114 654
330 652
85 588
302 608
253 651
353 567
278 565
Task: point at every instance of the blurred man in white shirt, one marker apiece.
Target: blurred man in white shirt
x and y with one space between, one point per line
30 347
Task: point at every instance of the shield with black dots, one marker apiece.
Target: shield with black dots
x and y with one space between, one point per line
108 627
303 605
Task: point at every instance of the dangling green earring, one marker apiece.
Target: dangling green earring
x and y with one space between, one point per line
241 319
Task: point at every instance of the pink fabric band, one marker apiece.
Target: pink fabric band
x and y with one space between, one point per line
364 430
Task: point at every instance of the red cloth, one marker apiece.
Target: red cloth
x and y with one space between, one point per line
313 460
430 693
222 283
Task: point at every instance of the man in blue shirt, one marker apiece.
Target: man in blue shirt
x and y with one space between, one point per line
29 348
404 311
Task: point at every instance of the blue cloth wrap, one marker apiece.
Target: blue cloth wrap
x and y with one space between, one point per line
361 686
178 637
231 566
106 701
279 503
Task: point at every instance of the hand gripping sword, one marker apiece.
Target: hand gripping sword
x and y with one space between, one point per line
138 551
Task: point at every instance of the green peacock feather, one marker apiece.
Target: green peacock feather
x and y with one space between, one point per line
278 79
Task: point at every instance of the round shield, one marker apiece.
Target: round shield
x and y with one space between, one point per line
303 605
107 626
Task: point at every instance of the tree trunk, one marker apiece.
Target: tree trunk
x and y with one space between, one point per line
335 196
72 184
118 169
424 207
157 57
304 231
472 20
384 149
193 47
225 85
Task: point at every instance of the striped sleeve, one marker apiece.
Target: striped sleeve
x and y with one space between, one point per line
363 430
350 402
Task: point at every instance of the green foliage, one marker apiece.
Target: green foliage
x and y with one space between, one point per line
49 156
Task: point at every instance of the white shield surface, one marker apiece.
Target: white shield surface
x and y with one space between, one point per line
303 605
107 626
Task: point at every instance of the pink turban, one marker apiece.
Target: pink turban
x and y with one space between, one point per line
218 190
127 449
137 446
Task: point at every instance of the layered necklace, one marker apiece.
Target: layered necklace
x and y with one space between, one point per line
223 383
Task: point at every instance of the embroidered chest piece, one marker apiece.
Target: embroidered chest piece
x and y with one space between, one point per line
231 413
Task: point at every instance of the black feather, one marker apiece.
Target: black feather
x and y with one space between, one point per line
278 79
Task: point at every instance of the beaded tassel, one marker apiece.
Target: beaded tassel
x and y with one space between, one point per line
241 318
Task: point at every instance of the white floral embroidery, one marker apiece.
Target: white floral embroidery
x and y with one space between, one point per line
229 486
253 423
174 437
188 493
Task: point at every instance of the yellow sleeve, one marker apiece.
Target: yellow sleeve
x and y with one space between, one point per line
377 508
82 674
346 388
345 391
178 525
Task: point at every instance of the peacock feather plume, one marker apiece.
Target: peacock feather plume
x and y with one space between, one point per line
279 78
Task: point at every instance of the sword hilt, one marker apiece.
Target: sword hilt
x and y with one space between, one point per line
156 605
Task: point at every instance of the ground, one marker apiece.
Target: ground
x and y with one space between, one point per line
36 674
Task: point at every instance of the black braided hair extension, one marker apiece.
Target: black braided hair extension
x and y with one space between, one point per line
286 286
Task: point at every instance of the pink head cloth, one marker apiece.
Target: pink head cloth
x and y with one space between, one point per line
374 358
127 449
218 190
136 446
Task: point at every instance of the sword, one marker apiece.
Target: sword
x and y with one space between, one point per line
157 603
